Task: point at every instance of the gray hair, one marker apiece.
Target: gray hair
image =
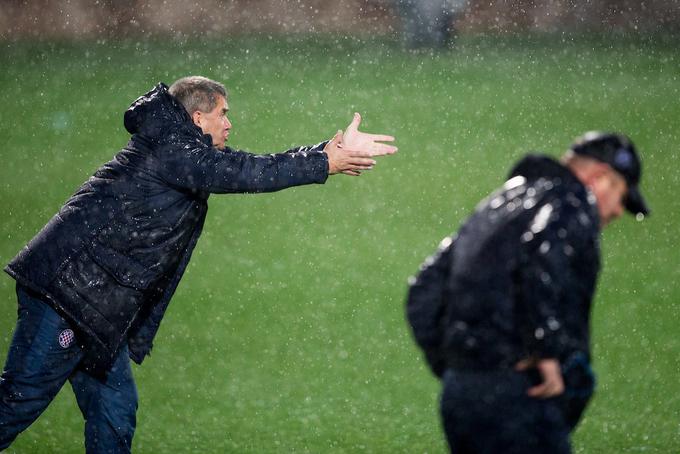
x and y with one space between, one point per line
197 93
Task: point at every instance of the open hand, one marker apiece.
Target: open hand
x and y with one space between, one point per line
350 152
341 160
366 144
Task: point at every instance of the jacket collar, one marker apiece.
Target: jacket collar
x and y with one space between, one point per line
534 166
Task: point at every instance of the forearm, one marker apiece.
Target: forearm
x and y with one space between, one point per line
209 170
268 173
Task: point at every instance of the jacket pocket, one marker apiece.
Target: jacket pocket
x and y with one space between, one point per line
125 270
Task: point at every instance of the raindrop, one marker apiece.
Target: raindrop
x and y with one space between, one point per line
529 203
541 220
497 202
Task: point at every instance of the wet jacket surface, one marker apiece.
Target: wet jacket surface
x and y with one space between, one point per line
518 278
112 257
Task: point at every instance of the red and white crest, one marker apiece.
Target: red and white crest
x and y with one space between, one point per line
66 338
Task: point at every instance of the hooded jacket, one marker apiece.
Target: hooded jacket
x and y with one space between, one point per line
110 260
518 278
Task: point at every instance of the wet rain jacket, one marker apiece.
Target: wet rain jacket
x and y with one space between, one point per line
110 260
518 278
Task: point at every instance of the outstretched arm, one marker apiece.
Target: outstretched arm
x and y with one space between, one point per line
191 164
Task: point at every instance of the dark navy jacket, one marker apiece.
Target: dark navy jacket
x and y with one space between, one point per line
518 278
111 258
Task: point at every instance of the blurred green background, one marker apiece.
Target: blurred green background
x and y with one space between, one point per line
287 333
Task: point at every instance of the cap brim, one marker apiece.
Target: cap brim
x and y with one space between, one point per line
635 203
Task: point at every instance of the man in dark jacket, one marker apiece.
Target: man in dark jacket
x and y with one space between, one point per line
94 283
502 309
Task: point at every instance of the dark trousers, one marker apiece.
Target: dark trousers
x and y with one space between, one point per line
490 413
42 356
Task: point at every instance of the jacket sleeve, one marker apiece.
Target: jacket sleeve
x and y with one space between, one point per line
545 274
425 304
198 167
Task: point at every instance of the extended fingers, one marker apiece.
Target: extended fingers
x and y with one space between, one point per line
361 163
381 138
375 149
381 149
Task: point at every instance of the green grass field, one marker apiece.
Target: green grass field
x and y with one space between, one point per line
287 333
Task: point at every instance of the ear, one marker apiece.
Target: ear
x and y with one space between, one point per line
196 117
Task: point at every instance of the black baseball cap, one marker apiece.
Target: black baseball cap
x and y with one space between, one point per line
619 152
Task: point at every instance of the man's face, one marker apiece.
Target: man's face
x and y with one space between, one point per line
609 188
215 123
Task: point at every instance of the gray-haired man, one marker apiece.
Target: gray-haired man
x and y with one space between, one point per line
94 283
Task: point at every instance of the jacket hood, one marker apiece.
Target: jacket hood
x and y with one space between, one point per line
534 166
155 112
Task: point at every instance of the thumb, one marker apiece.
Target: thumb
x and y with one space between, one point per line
337 138
354 125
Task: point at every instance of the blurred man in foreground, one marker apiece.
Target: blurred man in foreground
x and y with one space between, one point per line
94 283
502 309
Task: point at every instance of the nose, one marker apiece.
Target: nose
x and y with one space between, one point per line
227 123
